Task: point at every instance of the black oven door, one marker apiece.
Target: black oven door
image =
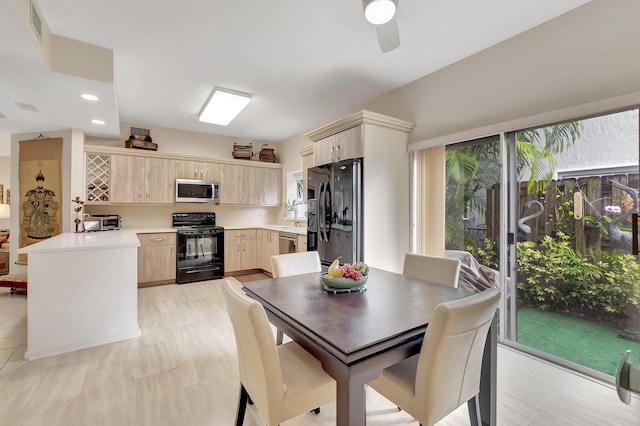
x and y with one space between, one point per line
200 255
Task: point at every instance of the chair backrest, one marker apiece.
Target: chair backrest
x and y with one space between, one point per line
441 270
450 360
305 262
258 361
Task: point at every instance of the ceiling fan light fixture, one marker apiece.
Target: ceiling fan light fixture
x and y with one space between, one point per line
223 106
379 12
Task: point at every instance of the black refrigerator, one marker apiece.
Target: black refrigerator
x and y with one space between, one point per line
334 211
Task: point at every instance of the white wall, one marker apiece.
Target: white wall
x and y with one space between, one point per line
608 141
581 63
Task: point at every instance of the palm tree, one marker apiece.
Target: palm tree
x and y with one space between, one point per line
471 169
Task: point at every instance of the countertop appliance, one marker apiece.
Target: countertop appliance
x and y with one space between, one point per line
197 191
334 211
102 222
200 247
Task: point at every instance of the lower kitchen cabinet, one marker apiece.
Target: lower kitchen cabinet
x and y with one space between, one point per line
302 243
240 250
156 259
268 245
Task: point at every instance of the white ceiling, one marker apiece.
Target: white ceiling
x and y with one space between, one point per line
304 61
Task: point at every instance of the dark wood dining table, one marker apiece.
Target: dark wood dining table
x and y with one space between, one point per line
356 335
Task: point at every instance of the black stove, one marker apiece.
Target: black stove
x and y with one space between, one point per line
200 247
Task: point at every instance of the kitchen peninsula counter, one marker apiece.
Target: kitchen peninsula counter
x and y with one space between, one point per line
83 291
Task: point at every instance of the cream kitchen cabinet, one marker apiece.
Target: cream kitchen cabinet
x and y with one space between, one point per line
268 245
156 259
199 170
142 180
250 185
340 146
240 250
264 186
302 243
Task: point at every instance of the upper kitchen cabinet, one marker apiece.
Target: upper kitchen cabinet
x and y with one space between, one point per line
250 185
142 180
340 146
199 170
382 142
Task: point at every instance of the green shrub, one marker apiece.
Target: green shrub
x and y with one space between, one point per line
556 277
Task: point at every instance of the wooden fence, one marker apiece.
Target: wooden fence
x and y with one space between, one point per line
557 199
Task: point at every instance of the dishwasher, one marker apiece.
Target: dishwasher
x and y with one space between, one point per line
287 242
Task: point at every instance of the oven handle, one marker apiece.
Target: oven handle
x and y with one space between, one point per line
217 268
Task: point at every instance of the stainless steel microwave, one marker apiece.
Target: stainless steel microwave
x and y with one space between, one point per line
197 191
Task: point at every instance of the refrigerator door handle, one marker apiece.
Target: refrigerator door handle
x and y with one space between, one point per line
329 215
321 212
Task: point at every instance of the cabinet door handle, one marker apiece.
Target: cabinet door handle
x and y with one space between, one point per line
147 194
158 239
201 174
339 152
139 195
172 253
331 155
195 173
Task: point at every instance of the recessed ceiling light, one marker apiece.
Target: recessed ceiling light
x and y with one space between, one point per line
97 122
89 97
223 106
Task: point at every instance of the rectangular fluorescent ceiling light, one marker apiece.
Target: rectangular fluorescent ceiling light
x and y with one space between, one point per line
223 106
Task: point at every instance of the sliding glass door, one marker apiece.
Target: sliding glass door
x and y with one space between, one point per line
557 222
574 280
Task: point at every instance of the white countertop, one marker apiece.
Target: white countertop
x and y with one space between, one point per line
300 230
71 241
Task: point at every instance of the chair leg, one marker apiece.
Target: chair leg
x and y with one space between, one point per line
242 405
474 411
279 337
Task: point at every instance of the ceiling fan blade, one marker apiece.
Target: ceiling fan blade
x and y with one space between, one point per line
388 35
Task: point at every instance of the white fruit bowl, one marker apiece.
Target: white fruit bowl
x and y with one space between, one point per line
344 283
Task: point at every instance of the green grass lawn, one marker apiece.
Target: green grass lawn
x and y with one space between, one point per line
575 339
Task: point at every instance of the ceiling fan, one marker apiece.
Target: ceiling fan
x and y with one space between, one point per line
381 13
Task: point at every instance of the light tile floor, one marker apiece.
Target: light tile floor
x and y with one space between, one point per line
183 371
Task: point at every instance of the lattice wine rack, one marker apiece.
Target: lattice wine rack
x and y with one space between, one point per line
98 172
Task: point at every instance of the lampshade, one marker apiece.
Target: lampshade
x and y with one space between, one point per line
5 211
223 106
379 12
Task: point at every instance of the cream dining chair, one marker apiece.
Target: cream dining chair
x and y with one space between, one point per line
283 381
284 265
446 372
441 270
